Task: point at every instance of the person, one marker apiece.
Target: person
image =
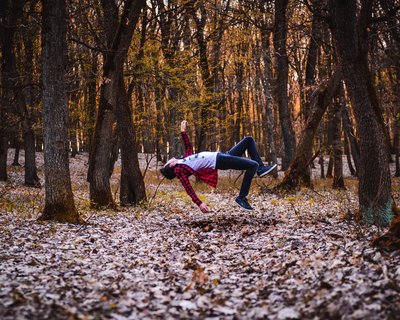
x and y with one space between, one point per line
205 166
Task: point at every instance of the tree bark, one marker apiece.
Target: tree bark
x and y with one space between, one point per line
91 111
338 181
349 132
113 104
280 36
321 99
59 201
348 154
12 83
269 138
350 38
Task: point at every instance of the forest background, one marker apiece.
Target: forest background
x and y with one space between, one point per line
310 80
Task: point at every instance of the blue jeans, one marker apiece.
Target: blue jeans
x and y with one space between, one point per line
233 160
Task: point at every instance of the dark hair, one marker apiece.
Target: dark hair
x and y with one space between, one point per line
168 172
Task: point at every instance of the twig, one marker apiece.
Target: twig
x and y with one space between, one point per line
86 222
155 192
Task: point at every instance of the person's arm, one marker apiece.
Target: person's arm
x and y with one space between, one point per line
185 139
183 175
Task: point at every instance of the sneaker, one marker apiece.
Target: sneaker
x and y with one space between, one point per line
244 204
265 170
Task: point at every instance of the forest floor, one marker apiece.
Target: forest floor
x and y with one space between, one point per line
297 256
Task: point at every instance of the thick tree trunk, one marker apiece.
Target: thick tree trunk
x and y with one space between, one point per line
59 201
99 172
100 153
101 147
280 35
350 37
132 184
321 99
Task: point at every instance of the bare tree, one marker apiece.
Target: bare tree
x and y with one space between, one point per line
59 202
350 33
280 37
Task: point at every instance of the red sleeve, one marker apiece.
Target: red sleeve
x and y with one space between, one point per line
183 174
187 144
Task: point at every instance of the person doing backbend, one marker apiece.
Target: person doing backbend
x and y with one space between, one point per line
205 165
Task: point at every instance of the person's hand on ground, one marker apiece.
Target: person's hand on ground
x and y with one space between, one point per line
184 125
204 208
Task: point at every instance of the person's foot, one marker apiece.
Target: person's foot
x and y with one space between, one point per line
264 170
244 204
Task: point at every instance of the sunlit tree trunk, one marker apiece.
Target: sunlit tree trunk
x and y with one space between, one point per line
59 201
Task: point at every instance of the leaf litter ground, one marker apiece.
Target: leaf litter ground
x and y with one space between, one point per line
296 256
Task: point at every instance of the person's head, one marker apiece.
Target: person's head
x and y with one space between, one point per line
168 169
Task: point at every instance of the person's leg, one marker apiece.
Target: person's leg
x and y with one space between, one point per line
249 144
227 161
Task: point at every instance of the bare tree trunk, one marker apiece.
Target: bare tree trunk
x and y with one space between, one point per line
92 101
206 113
321 99
329 141
6 38
280 35
112 103
350 36
311 65
59 201
269 138
348 154
349 132
338 181
3 150
13 84
132 184
31 177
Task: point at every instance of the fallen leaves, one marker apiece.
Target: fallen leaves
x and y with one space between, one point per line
293 258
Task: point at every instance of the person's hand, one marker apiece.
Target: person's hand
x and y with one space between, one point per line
204 208
184 125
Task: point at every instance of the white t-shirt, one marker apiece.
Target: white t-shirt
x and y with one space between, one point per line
202 160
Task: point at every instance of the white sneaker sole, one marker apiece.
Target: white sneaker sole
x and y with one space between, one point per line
270 169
